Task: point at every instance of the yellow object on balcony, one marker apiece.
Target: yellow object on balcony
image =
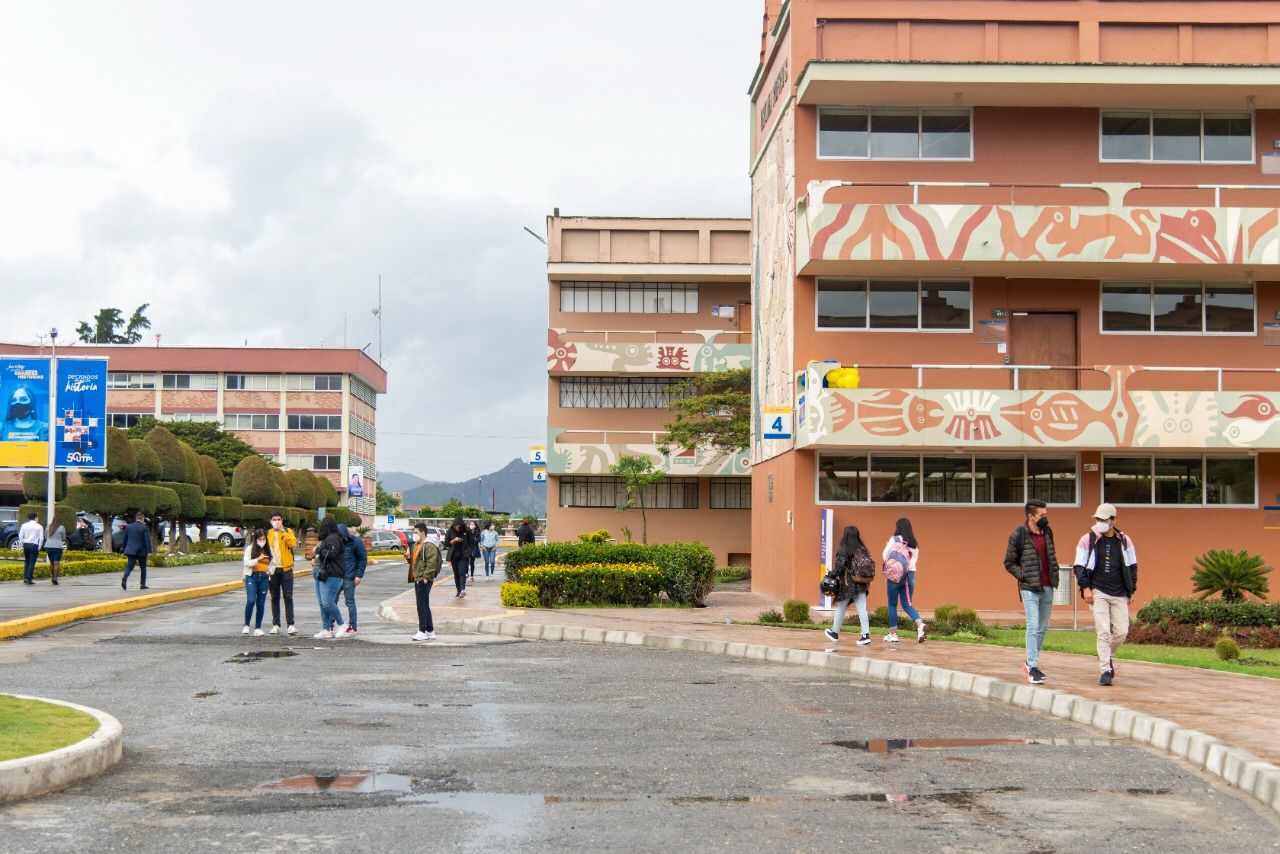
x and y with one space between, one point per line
842 378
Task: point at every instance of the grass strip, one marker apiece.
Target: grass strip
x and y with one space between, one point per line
30 727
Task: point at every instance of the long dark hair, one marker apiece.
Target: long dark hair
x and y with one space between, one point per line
851 541
263 550
903 529
328 525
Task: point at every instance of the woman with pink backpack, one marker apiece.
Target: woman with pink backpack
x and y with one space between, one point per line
900 556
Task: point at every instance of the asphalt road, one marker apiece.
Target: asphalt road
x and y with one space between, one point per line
495 744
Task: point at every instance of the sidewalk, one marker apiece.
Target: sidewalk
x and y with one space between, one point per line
1239 710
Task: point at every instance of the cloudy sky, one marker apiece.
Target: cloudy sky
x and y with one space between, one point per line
249 168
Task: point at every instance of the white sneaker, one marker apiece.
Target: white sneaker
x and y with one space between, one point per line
339 632
257 633
892 637
245 630
293 630
920 632
421 636
323 634
430 636
864 640
275 630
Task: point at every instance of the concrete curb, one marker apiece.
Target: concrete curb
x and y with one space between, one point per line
27 625
1234 766
57 769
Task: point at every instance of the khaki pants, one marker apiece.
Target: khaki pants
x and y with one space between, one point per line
1111 622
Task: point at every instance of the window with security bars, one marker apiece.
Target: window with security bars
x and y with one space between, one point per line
629 297
618 392
730 493
671 493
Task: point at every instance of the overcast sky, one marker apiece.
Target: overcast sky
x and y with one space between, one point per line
249 168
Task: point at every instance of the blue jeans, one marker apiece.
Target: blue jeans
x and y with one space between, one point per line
327 595
255 596
490 558
1039 607
860 603
349 591
30 554
906 589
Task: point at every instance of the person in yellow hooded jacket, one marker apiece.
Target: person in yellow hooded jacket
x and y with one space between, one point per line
282 542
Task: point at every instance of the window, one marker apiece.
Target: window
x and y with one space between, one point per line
617 392
253 382
202 382
315 462
125 420
247 421
313 382
1180 309
1177 137
1179 480
730 493
629 297
909 304
946 478
314 422
895 134
121 380
194 417
670 493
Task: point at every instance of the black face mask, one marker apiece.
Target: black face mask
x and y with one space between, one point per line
1043 523
20 411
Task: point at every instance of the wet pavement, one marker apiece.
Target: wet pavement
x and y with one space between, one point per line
481 743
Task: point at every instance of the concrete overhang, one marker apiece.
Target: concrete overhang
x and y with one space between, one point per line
613 271
935 84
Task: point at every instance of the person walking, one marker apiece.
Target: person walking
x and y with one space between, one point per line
853 570
473 531
1032 560
328 573
1106 569
82 538
355 558
458 545
257 578
489 548
904 550
137 545
31 535
524 534
54 545
282 541
424 567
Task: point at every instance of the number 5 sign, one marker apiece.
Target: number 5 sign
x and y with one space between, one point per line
537 455
777 422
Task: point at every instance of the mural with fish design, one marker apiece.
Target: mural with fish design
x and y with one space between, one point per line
565 355
1118 417
566 456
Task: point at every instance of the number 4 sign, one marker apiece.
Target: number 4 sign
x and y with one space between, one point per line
777 422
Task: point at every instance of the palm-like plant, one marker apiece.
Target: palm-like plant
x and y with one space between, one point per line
1232 574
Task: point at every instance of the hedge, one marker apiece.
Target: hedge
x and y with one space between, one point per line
516 595
149 467
260 514
223 508
173 464
1195 612
688 569
215 485
195 472
327 491
11 570
633 584
304 488
35 486
65 513
345 516
254 484
122 499
190 499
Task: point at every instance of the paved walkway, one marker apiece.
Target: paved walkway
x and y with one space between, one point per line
1241 710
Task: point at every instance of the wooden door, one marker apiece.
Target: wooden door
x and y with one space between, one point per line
1044 338
742 318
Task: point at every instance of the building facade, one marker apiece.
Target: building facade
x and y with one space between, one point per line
636 307
302 408
1047 236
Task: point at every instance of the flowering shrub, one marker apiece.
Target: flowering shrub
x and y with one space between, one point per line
516 595
633 584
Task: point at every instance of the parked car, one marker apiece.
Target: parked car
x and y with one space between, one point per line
227 535
385 540
9 534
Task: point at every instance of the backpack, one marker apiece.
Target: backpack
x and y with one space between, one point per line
897 563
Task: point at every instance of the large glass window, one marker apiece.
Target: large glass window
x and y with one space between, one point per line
895 134
930 305
895 479
125 420
1186 480
315 462
314 422
1126 480
730 493
1178 480
253 382
842 478
999 480
1052 480
190 381
618 392
313 382
250 421
629 297
1177 137
670 493
124 380
1230 480
1186 308
946 478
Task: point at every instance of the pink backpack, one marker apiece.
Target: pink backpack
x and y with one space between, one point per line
897 563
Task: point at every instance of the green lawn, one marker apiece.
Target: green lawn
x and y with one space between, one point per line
1259 662
28 727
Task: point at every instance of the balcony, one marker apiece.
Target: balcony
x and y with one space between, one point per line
988 406
1083 230
593 451
657 353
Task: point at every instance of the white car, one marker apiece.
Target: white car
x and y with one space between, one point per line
227 535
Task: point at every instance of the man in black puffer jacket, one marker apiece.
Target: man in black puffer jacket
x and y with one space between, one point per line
1031 558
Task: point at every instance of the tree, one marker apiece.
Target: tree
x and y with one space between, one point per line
637 474
253 482
711 410
103 328
385 502
173 464
208 439
149 468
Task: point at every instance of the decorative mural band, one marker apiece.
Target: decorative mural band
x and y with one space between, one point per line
564 356
976 418
595 458
932 232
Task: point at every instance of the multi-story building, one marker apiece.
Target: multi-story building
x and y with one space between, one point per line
1046 234
638 306
302 408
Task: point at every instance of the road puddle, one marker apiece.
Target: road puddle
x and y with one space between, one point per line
259 655
348 783
206 694
892 745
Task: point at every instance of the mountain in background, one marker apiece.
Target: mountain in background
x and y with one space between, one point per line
511 487
399 481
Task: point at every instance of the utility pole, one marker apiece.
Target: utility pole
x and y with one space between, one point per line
50 495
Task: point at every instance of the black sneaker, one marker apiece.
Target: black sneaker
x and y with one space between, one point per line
1035 677
1105 678
832 636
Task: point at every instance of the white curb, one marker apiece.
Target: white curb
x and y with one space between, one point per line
57 769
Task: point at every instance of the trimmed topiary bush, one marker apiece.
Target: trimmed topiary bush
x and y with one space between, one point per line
287 495
688 569
65 513
214 482
327 491
191 504
149 468
35 485
795 611
223 508
633 584
1193 612
688 572
516 595
173 464
344 516
304 488
598 536
259 515
1227 649
122 462
254 484
195 472
574 553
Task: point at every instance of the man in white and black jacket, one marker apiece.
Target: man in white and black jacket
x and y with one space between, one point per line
1106 569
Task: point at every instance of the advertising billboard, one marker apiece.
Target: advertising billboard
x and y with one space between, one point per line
76 420
355 482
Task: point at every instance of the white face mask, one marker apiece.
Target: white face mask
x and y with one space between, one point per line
1101 528
261 543
417 538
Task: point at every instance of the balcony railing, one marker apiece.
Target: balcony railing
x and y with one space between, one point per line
1115 406
594 451
1101 223
620 351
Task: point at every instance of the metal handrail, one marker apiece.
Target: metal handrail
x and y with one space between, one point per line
1101 186
1017 369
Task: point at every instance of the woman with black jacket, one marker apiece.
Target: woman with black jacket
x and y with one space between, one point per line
457 542
853 569
330 565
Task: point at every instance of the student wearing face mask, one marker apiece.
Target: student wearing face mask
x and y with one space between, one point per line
1031 559
1106 569
424 565
257 576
